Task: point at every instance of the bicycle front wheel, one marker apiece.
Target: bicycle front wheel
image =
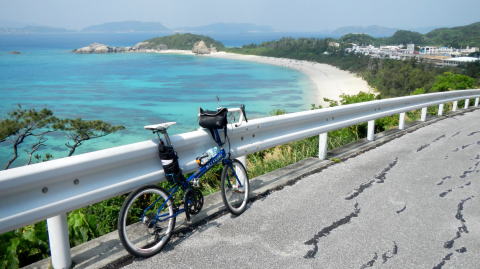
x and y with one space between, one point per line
146 221
235 187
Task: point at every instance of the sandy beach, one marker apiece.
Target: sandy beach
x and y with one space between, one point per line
330 81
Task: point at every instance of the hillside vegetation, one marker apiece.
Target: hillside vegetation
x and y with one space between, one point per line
183 41
462 36
390 77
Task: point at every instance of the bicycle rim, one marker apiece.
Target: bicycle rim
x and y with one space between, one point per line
235 193
142 231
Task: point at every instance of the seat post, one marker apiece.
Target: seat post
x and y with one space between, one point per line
167 138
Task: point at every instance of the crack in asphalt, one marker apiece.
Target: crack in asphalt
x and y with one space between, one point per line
383 175
466 146
472 133
438 138
327 230
422 147
443 194
360 189
462 228
380 178
444 259
455 134
443 180
461 250
470 169
370 262
401 210
386 257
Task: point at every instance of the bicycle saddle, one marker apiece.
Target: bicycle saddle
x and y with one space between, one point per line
160 127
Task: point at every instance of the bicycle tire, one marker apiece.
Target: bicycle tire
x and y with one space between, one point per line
139 233
234 197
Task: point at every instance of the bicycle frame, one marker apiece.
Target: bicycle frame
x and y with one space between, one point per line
221 156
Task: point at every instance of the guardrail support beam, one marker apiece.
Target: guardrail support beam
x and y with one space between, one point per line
466 103
401 121
476 101
423 117
58 239
243 160
455 105
371 130
322 146
440 109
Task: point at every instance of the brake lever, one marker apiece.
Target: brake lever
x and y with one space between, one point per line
242 108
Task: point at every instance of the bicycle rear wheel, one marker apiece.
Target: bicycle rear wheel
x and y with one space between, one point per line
235 187
146 221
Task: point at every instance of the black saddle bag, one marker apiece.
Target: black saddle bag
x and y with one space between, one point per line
213 119
169 159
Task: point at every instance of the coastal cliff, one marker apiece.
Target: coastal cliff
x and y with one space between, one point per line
198 44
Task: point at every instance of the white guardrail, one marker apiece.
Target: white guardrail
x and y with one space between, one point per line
50 189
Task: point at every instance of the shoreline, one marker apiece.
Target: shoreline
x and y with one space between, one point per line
330 81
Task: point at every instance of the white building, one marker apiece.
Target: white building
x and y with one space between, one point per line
459 60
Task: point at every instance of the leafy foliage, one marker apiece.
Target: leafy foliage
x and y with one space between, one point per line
183 41
359 39
25 123
30 243
461 36
79 131
450 81
24 245
406 37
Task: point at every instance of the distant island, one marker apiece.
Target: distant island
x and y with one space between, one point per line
127 27
198 44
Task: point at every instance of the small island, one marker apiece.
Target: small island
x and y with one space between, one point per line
198 44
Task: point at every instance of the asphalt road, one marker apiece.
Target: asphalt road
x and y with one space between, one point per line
410 203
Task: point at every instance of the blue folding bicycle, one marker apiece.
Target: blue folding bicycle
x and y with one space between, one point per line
147 217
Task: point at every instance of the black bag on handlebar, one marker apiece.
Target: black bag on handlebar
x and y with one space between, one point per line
213 119
169 159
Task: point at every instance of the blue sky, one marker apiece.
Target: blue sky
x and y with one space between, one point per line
282 15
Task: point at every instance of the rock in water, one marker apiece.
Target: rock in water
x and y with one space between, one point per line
15 52
102 48
200 48
94 48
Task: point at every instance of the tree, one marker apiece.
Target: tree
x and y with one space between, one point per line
24 123
406 37
450 81
79 131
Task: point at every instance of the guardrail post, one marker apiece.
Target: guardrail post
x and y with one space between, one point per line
58 239
455 105
440 109
322 146
243 160
401 121
466 103
371 130
424 114
476 101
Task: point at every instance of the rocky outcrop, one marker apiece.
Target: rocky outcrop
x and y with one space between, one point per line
14 52
201 48
102 48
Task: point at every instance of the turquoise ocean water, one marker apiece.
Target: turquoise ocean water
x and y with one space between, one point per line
138 89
